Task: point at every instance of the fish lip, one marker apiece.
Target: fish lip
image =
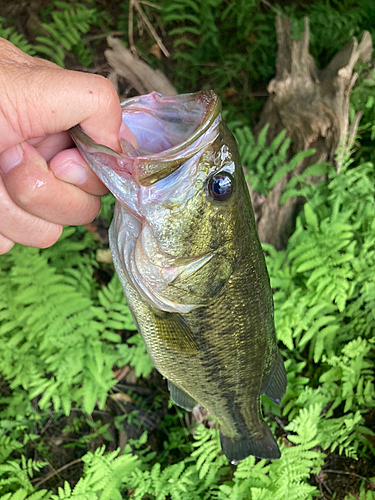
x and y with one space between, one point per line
77 133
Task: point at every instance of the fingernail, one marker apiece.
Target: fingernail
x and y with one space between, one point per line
124 129
10 158
126 133
71 172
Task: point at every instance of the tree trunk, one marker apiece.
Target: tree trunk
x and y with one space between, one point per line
313 107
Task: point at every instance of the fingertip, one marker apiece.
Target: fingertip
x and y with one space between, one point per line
33 187
51 233
69 166
5 244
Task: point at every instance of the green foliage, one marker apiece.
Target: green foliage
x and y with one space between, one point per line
190 479
106 210
332 253
324 298
283 479
332 24
61 31
350 377
17 421
22 494
57 340
362 101
14 474
219 44
103 476
363 495
63 315
64 24
8 32
266 165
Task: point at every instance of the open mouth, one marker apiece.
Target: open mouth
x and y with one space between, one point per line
170 130
169 123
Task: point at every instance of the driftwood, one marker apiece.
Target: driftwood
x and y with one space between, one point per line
140 75
313 107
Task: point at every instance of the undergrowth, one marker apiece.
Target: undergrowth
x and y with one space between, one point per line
227 46
65 329
60 339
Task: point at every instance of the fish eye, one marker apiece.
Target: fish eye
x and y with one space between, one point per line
220 186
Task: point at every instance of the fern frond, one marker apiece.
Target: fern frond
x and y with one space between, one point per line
8 32
22 494
15 474
69 22
67 354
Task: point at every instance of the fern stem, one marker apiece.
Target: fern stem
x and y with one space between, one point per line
55 472
348 474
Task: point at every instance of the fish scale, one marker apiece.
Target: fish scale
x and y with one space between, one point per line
186 250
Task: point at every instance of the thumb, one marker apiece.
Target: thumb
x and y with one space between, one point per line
53 100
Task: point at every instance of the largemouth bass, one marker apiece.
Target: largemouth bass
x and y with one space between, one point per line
186 249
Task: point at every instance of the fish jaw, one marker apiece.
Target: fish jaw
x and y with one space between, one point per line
112 168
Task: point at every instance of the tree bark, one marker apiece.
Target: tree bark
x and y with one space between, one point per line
313 106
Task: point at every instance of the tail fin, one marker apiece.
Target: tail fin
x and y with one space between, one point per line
236 449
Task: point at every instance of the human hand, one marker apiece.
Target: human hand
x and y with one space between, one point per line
44 181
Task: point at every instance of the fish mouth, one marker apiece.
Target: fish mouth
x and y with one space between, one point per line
170 130
182 118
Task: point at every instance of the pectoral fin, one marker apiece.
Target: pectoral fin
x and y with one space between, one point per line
180 397
174 333
276 383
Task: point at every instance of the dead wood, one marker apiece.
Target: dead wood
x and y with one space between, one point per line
313 106
140 75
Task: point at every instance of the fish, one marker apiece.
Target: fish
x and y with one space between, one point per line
186 249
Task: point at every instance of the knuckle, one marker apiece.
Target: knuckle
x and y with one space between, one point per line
106 92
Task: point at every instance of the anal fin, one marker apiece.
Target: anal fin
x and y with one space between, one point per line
275 385
181 398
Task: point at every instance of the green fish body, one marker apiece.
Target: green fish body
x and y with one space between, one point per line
186 249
